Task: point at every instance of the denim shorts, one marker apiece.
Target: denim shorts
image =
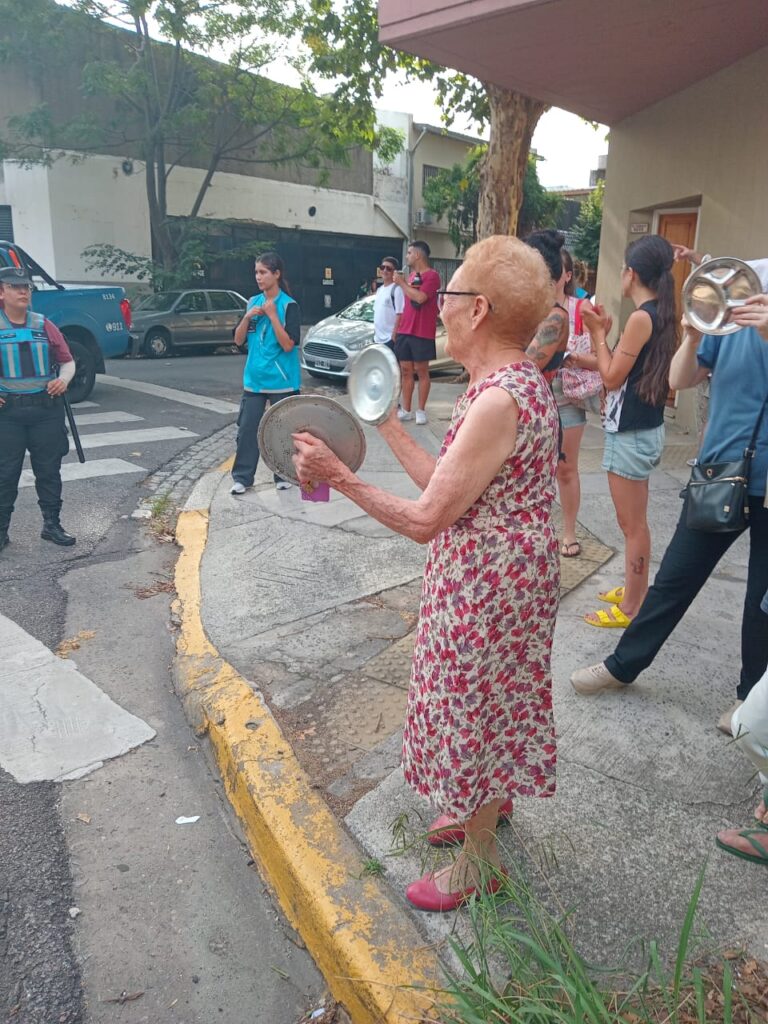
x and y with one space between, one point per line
572 415
633 454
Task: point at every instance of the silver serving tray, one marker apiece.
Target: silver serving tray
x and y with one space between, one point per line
322 417
715 288
373 384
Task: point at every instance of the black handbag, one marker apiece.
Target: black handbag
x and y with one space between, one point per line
717 493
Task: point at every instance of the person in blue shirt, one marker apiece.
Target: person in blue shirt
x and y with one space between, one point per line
272 327
738 364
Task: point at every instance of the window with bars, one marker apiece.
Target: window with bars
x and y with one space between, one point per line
428 172
6 224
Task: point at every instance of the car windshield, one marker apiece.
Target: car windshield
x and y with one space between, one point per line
159 303
360 310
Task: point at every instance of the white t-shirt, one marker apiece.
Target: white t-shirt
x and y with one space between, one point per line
388 302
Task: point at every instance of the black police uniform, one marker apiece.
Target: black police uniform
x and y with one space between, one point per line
30 419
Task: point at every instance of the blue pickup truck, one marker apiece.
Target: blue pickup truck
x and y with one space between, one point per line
95 321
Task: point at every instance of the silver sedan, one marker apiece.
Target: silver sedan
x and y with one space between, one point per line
329 345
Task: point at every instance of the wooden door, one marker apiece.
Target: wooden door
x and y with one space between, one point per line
679 229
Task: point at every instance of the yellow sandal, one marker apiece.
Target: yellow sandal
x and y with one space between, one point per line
614 618
615 596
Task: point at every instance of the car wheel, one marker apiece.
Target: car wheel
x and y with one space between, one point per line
82 383
157 345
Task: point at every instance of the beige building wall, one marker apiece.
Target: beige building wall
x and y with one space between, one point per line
705 148
435 150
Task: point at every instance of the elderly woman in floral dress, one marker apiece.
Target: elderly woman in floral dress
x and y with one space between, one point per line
479 730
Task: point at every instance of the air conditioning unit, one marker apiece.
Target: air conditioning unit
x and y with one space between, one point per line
423 217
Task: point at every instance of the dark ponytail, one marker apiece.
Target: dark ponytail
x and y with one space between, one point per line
549 243
274 261
651 258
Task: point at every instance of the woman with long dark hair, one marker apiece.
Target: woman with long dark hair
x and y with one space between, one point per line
551 339
636 377
272 327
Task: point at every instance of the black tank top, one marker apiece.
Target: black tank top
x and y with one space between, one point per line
624 409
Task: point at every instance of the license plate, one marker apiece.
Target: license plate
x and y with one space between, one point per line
323 364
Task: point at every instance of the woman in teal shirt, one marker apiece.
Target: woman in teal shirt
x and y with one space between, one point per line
272 328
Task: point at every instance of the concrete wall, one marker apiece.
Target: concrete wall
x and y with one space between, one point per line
60 210
705 147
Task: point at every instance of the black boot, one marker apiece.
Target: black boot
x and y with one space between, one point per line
52 530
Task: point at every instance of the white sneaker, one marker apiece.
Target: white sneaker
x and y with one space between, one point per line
595 679
404 414
421 417
237 488
282 485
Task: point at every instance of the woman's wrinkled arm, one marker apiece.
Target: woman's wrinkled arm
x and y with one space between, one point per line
484 442
417 463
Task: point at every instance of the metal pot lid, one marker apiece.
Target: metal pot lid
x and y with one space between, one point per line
374 384
713 289
322 417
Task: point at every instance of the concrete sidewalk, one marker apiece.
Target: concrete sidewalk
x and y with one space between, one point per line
314 605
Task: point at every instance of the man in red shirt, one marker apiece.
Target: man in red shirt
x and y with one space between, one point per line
415 342
31 407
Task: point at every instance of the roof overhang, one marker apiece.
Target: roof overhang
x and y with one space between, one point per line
602 59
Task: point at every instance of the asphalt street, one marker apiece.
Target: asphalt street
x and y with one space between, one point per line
179 916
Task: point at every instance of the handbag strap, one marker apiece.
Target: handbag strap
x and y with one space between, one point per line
749 451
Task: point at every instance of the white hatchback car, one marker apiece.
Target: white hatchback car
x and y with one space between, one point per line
328 346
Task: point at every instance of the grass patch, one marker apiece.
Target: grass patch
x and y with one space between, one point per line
372 868
521 967
162 516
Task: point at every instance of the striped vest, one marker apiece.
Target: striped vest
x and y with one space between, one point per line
25 356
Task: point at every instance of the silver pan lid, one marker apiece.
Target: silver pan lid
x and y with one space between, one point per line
322 417
374 384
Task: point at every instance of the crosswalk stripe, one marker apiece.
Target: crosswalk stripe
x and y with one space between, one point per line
90 419
87 470
86 405
133 437
216 405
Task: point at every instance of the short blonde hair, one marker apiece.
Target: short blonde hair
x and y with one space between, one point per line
515 280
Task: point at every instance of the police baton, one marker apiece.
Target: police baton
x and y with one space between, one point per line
73 429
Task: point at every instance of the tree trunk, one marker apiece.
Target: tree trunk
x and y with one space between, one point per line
502 173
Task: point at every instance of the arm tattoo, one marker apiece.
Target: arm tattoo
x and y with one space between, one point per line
629 355
550 337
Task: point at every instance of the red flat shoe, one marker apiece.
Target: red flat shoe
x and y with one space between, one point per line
424 894
446 831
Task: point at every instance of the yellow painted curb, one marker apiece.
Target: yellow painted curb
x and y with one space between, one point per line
370 953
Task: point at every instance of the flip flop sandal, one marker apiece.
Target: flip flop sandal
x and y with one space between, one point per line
567 552
614 618
761 853
615 596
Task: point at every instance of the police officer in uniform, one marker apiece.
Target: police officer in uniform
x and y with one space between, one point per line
31 406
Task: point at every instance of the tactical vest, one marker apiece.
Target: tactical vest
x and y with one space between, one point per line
25 356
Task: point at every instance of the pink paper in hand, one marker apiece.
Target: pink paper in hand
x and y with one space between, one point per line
320 492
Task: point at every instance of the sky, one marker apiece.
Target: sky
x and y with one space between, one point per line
568 145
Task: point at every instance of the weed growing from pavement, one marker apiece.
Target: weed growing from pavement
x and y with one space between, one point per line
161 514
520 967
372 868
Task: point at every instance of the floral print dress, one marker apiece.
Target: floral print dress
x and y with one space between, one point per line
479 723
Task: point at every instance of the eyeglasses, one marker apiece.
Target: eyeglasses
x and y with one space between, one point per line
446 291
